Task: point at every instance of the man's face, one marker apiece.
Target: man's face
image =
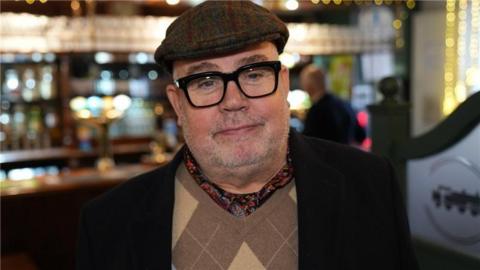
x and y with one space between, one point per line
239 131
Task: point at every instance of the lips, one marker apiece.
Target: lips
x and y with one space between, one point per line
238 130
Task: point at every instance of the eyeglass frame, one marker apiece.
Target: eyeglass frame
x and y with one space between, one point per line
182 83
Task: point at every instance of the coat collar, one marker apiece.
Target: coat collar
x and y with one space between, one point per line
320 212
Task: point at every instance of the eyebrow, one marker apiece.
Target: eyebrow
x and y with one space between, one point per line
203 66
252 59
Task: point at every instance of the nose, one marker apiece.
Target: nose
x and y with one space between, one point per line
234 99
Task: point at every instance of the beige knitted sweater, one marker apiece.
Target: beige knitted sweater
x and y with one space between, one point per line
207 237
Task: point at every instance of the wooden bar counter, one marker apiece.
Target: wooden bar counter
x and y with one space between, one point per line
39 218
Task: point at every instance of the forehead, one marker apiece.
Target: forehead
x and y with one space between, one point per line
264 51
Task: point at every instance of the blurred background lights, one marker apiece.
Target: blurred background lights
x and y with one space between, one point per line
12 82
94 103
4 119
49 57
152 75
122 102
106 74
21 174
78 103
141 58
289 59
103 57
123 74
298 100
173 2
291 4
36 57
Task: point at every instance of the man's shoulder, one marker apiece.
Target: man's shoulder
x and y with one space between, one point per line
129 197
337 149
343 157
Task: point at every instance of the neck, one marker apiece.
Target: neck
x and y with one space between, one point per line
249 178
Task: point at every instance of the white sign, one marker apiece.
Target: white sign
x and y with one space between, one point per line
444 196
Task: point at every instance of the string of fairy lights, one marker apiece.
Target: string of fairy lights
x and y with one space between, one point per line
449 100
461 68
473 72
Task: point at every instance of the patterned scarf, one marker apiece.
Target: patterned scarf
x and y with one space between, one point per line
239 205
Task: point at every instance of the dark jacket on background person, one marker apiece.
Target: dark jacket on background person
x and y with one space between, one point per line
350 220
333 119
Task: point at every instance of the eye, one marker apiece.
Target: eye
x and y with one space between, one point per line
255 74
205 83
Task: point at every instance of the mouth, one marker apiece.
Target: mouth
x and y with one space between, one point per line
238 130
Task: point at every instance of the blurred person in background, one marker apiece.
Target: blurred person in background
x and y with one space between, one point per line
330 117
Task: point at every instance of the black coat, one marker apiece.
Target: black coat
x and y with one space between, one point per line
350 215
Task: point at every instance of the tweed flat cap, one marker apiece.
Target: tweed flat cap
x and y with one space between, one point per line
217 27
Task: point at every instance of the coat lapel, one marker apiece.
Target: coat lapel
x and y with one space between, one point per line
151 235
320 193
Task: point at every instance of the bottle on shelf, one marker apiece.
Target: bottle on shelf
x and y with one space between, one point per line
5 126
47 83
51 134
34 127
19 128
29 85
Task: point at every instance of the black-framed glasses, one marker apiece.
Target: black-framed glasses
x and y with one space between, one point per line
208 88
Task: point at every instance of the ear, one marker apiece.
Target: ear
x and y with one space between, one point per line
284 80
173 94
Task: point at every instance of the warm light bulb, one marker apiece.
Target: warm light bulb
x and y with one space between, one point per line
291 4
173 2
397 24
410 4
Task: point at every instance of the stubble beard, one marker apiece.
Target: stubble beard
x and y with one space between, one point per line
243 154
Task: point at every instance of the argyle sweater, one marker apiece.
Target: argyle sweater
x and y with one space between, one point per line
205 236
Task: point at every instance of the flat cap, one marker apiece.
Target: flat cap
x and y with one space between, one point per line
218 27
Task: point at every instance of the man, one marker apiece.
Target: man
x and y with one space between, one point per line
244 193
329 118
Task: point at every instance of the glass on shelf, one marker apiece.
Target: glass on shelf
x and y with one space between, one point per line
101 112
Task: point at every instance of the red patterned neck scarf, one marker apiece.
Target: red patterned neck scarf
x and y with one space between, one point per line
239 205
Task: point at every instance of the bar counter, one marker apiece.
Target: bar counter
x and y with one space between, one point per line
39 218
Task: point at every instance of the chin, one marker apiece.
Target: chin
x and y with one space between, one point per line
240 155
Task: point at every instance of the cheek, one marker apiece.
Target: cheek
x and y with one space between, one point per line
198 122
